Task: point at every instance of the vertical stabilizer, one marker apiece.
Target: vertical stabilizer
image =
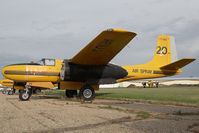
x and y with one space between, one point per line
165 52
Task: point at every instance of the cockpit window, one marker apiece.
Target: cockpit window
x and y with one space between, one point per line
47 62
41 62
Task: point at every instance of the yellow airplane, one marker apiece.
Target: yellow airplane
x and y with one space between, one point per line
90 67
7 84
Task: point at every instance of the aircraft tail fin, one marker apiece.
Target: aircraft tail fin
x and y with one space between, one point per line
178 64
165 52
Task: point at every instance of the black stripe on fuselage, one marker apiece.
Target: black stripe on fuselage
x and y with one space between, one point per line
36 73
163 72
28 64
7 82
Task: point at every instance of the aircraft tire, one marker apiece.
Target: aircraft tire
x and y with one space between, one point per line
23 96
87 93
71 93
36 91
3 92
10 92
19 91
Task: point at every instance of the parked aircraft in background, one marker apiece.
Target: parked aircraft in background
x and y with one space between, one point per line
17 85
90 67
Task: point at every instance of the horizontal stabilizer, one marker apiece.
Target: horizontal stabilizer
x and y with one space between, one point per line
178 64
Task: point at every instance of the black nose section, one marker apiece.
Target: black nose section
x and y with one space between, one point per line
120 72
115 72
123 73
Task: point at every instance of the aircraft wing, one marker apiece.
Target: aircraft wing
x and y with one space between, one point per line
104 47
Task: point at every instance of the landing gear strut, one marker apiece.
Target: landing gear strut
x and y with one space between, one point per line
36 91
11 92
87 93
25 94
71 93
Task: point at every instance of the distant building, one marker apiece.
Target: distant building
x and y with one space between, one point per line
162 82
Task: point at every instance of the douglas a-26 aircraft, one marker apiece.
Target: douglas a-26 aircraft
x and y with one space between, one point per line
90 67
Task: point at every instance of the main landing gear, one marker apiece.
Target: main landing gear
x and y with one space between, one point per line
86 93
71 93
36 91
25 94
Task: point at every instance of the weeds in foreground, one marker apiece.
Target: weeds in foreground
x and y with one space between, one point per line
179 112
143 114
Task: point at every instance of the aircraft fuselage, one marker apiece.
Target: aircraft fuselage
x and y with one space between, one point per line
33 72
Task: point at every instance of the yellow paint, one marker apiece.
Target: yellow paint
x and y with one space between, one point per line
145 72
18 87
70 85
10 83
177 64
153 69
104 47
6 82
46 85
32 71
163 45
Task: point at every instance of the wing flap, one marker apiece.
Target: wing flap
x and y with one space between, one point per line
104 47
178 64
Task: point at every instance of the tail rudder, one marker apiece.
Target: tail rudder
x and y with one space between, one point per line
166 56
165 52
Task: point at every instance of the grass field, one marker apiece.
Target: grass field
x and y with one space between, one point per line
181 94
178 94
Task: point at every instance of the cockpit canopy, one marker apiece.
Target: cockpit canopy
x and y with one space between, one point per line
47 62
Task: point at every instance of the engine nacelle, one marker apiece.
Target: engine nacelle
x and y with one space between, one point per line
101 74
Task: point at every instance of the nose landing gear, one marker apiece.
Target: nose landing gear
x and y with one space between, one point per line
25 94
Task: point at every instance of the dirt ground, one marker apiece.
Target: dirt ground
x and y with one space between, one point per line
46 114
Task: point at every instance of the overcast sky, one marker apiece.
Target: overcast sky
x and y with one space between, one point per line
34 29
